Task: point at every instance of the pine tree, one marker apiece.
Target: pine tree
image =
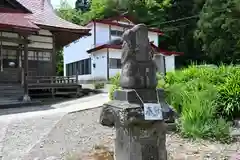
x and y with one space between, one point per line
83 5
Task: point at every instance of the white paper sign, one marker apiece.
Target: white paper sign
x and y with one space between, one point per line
153 111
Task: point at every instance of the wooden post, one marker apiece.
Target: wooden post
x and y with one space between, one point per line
77 76
1 55
52 82
26 97
54 56
164 62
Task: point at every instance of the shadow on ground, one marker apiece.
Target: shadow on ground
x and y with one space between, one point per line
44 103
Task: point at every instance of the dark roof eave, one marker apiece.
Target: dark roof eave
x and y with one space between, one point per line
164 52
25 29
53 28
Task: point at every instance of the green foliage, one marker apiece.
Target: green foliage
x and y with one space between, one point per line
205 96
112 90
224 78
83 5
59 60
218 30
99 85
229 95
115 82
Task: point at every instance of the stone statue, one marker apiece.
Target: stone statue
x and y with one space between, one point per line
138 67
137 138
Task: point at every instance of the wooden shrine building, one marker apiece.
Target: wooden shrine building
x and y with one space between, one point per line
30 34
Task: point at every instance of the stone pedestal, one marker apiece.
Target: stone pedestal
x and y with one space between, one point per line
136 138
140 140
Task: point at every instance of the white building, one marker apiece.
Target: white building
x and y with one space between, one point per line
96 60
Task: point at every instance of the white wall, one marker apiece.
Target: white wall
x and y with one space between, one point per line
102 33
77 50
170 63
153 36
159 60
114 53
100 60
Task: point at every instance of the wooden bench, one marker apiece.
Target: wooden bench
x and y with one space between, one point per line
53 85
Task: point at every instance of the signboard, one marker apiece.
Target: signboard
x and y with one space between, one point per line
153 111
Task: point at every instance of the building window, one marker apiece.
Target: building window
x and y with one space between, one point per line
32 55
115 63
9 56
38 56
116 33
82 67
44 56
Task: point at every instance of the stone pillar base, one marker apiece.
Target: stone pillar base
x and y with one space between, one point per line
137 138
141 142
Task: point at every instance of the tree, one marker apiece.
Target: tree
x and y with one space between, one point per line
70 14
218 30
83 5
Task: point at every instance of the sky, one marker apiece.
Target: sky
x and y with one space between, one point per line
56 3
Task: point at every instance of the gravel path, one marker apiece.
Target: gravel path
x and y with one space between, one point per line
22 128
78 133
75 134
22 134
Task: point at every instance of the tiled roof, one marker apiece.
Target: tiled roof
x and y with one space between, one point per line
19 19
43 14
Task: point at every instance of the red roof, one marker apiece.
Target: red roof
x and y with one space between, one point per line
159 50
43 14
17 20
110 21
32 15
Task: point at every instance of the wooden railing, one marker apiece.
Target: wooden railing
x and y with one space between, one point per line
52 80
53 85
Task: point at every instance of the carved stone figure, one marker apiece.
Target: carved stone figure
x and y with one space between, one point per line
138 67
136 137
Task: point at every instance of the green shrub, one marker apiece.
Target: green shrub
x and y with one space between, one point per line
115 82
226 79
99 85
112 90
228 99
206 97
197 113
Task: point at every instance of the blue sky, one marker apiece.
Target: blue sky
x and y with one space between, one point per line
56 3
